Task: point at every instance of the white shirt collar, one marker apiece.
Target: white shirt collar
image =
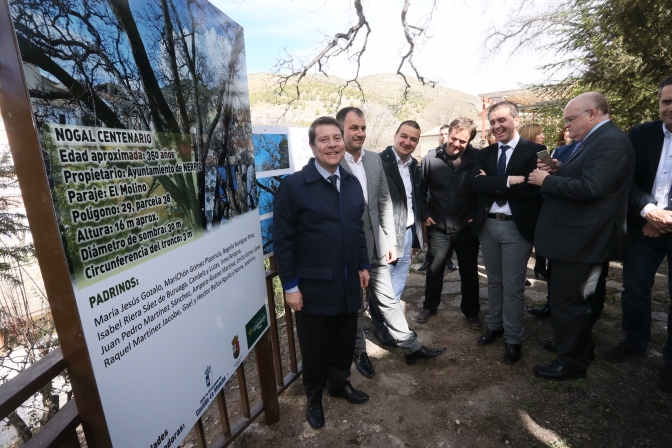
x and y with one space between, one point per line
512 144
666 131
351 159
406 163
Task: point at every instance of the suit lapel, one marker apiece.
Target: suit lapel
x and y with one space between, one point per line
656 150
516 155
493 160
586 142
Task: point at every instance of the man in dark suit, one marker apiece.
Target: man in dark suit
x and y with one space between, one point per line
447 209
320 250
650 229
505 218
585 204
402 175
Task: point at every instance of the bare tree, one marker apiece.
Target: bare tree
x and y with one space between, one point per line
291 70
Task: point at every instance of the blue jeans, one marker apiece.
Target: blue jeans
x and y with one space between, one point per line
399 272
642 259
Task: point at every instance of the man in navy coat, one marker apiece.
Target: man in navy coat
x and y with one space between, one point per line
321 254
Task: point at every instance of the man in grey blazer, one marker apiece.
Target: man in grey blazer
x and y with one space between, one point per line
582 226
389 322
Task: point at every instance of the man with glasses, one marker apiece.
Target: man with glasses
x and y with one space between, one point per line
585 205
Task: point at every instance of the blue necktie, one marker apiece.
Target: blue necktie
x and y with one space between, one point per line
575 148
334 180
501 170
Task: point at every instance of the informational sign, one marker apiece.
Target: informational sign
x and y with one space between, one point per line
143 116
278 151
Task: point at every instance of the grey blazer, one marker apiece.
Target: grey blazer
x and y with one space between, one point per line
378 218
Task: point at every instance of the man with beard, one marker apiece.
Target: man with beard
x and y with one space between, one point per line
447 209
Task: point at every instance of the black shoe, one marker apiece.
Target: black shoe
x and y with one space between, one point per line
386 338
315 415
550 346
424 266
512 353
364 365
423 353
489 336
622 352
475 323
665 381
527 283
541 271
558 372
539 311
424 316
351 394
451 266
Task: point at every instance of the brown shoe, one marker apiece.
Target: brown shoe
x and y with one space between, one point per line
475 323
665 381
622 352
424 316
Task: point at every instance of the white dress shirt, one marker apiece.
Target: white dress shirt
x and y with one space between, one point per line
405 171
357 169
505 209
661 186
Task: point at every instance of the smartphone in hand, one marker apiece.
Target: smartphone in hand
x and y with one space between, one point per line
545 157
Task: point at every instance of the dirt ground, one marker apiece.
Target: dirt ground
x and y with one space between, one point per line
469 398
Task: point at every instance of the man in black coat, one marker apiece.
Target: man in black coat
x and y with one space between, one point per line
582 225
650 229
320 250
447 209
504 221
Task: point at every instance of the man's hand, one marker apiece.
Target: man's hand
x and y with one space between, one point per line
364 278
429 222
294 300
391 255
537 177
542 166
660 220
650 231
513 180
482 173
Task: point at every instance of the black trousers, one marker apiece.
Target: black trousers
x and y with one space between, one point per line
597 305
327 346
574 309
466 248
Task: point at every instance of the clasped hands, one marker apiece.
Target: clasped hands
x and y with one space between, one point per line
294 300
658 222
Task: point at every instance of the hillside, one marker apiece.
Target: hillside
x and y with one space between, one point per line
431 107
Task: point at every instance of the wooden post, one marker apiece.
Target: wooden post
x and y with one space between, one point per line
32 176
266 374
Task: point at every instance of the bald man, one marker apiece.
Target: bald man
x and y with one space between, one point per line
582 226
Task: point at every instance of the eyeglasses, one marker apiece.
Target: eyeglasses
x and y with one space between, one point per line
569 120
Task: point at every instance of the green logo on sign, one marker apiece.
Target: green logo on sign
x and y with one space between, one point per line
256 326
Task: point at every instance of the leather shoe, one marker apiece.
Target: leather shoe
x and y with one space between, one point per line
665 381
351 394
424 266
489 336
539 311
315 415
512 353
423 353
424 316
475 323
364 365
622 352
558 372
451 266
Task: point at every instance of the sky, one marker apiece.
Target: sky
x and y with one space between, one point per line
454 54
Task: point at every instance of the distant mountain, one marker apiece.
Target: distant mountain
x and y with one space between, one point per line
430 107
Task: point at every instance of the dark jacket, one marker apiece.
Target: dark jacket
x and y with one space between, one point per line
398 195
647 139
318 240
583 219
443 194
524 199
562 153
